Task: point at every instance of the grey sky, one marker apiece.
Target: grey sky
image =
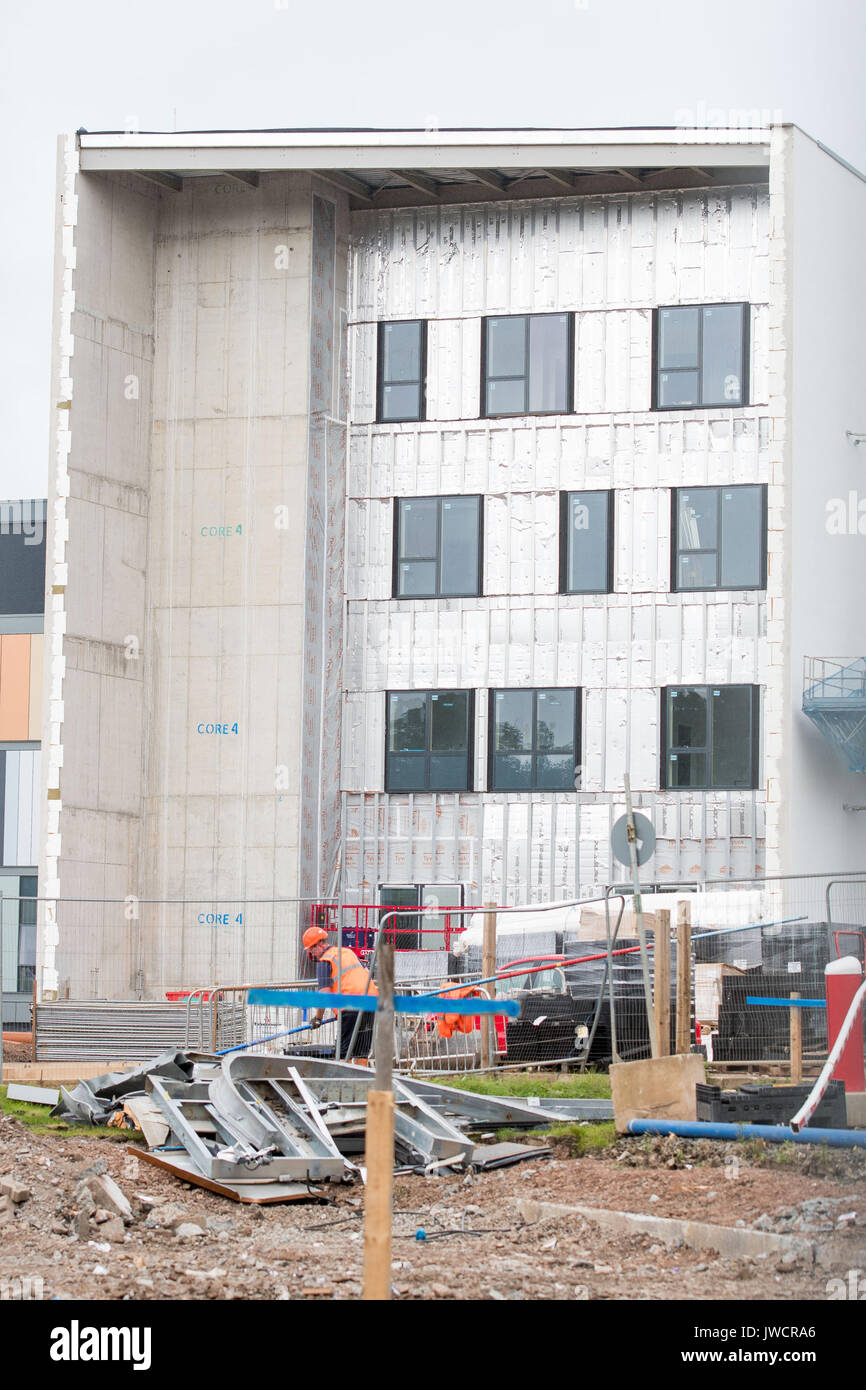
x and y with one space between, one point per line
205 64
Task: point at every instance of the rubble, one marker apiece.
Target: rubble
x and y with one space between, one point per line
15 1191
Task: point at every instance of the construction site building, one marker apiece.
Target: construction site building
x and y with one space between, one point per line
411 489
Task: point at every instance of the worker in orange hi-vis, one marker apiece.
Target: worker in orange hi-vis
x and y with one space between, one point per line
339 970
448 1024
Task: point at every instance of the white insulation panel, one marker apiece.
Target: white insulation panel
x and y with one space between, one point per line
610 261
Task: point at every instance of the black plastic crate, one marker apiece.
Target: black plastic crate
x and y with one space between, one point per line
770 1105
552 1036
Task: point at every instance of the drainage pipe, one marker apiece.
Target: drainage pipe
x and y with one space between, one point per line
773 1134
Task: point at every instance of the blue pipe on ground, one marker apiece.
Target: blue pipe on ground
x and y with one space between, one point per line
774 1134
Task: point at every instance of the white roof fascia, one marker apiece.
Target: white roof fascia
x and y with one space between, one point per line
262 150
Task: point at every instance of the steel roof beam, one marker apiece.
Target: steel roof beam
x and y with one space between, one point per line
247 176
563 177
347 183
418 180
163 180
489 178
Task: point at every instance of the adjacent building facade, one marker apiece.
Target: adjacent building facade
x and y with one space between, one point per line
22 600
411 490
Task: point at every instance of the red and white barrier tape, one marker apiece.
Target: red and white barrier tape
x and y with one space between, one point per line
813 1100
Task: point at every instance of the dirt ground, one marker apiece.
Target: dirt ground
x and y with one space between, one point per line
307 1250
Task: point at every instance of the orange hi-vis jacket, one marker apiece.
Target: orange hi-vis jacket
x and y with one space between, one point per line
449 1024
354 976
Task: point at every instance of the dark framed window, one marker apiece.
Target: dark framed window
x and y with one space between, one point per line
710 736
26 933
586 542
428 740
428 930
534 740
700 356
22 557
527 364
719 537
437 547
402 371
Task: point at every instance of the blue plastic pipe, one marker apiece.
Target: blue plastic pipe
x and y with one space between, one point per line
774 1134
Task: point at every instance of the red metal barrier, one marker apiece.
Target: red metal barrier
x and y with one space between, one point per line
843 979
361 926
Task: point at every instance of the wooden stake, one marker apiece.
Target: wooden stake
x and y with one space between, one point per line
662 981
488 967
684 978
379 1146
796 1042
379 1142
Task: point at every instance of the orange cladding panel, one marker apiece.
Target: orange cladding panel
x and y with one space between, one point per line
15 686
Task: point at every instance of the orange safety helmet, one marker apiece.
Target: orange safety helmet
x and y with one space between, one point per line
313 935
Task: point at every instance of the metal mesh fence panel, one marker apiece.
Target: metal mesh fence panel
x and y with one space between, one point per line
132 948
752 941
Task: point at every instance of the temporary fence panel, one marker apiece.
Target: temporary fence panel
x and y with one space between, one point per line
140 948
113 1031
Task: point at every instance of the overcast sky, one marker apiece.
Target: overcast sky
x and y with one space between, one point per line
205 64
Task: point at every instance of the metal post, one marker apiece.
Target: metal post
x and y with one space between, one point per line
385 1019
614 1054
488 967
638 907
340 906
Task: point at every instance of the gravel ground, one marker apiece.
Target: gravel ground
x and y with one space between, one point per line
183 1242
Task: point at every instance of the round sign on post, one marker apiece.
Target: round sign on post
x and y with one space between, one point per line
645 839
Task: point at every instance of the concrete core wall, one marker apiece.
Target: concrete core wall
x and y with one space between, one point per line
206 472
94 683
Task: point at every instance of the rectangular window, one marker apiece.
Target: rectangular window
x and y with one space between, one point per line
534 740
402 371
22 557
429 741
586 542
701 356
527 364
710 736
720 538
437 547
431 930
26 933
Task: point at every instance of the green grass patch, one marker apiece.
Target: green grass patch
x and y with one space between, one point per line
588 1085
40 1119
574 1139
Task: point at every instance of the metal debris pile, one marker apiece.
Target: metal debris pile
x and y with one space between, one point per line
275 1129
101 1100
279 1128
